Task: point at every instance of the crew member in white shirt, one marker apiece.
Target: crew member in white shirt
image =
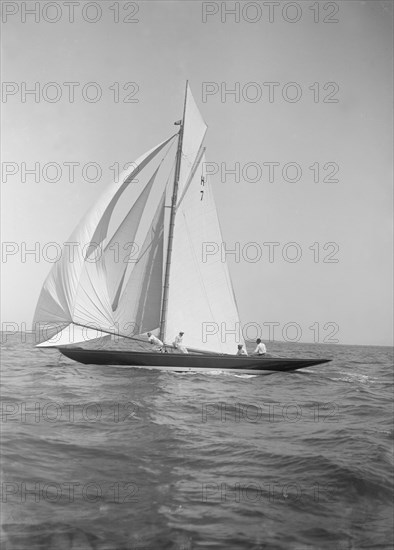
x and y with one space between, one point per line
241 350
155 341
260 349
178 343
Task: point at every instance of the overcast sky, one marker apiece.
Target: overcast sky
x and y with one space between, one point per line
336 117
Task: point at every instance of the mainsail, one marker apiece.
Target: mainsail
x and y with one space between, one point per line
91 287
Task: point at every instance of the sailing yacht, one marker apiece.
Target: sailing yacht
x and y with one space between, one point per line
163 207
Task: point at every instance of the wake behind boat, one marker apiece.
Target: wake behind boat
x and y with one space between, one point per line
140 265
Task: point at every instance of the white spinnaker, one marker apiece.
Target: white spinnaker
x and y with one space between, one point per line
117 251
194 130
76 288
201 300
140 303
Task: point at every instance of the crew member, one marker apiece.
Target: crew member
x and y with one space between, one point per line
260 349
155 341
178 343
241 350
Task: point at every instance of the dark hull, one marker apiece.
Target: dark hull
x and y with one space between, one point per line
182 362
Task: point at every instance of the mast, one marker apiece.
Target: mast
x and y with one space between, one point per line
164 306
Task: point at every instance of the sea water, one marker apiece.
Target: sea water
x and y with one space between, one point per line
100 457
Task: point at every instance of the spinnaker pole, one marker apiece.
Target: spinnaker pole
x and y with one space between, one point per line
164 305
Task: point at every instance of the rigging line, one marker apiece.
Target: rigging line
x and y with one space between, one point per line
157 231
163 159
165 156
161 200
153 238
170 175
147 248
169 149
127 180
195 350
154 175
131 268
110 332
